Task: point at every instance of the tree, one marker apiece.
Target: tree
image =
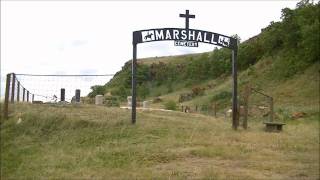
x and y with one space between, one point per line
97 90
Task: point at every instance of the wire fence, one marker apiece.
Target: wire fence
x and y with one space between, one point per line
37 88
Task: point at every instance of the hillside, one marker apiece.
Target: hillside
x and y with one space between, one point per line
278 61
95 142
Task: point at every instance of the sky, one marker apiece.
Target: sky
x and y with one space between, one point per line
95 37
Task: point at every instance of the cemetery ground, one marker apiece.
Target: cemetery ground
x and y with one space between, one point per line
96 142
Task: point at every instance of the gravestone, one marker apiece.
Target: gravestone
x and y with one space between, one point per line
73 100
145 104
62 94
77 96
129 99
99 100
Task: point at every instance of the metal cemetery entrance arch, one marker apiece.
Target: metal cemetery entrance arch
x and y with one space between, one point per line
188 38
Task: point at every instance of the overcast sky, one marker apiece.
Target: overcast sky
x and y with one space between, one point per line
95 37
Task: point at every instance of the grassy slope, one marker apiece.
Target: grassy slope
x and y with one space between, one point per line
298 93
99 142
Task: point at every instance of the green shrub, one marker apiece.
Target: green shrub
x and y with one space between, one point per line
120 92
224 95
170 105
112 101
143 91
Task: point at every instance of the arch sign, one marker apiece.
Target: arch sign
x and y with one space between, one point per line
188 38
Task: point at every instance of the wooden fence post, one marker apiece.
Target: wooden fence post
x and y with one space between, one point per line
32 97
6 98
13 87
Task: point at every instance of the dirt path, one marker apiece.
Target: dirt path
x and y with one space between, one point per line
147 109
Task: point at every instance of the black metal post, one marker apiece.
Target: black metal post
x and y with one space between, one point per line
13 87
18 91
62 94
27 96
24 94
77 95
235 117
6 97
134 92
32 97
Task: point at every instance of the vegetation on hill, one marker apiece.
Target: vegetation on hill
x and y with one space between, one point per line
292 45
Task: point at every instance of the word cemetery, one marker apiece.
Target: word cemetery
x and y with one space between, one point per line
187 38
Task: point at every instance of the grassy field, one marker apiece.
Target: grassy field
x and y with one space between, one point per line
95 142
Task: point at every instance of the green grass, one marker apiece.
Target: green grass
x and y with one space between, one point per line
166 59
93 142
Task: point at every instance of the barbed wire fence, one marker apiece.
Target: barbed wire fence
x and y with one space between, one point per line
37 88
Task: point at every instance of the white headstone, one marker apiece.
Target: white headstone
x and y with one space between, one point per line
99 100
145 104
129 98
229 113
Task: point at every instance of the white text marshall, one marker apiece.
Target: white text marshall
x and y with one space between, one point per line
184 35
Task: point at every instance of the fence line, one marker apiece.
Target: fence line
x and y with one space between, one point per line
14 86
15 91
210 110
65 75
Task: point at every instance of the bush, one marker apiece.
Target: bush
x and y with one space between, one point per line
170 105
112 101
185 97
224 95
197 91
120 92
142 91
97 90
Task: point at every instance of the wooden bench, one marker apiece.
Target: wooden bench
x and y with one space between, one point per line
274 126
